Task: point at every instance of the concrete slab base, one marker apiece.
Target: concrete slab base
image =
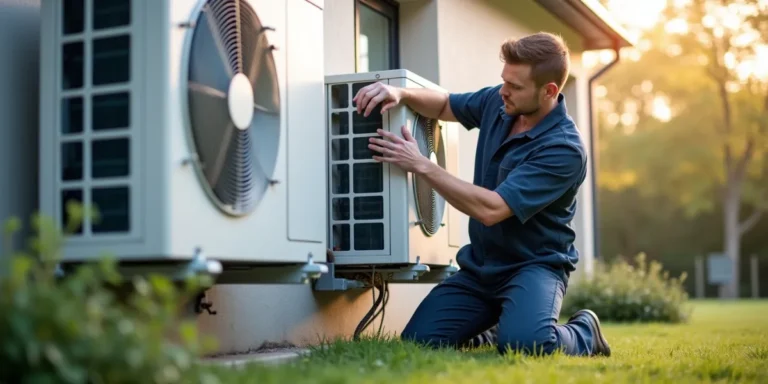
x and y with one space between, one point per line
274 357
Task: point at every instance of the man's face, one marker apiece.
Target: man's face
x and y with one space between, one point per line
520 94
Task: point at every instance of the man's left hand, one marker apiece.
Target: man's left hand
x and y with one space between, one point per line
403 152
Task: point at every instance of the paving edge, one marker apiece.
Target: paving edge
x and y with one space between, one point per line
240 360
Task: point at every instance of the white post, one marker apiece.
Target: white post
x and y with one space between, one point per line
754 277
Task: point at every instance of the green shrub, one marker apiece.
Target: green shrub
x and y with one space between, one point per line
622 292
79 330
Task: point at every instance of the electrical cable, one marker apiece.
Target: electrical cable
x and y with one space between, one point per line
378 306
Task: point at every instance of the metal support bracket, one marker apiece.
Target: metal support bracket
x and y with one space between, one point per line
342 278
329 281
279 274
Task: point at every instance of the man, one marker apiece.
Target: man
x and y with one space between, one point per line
529 165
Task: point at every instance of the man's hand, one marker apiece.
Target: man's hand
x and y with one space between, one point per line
370 96
403 152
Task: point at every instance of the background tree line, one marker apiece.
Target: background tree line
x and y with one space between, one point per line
683 141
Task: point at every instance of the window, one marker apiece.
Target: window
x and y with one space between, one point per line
376 37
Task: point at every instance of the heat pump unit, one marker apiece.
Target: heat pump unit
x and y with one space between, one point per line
191 126
379 215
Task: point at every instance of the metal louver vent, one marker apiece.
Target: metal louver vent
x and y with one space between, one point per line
234 104
97 116
429 204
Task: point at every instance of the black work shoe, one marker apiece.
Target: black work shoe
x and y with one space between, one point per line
601 346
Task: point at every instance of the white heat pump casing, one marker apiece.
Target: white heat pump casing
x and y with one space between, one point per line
170 214
404 240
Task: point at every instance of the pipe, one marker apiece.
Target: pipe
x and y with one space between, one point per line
593 148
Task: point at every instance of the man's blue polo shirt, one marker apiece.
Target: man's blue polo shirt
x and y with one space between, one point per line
538 174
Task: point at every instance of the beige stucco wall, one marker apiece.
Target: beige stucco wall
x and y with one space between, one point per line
452 42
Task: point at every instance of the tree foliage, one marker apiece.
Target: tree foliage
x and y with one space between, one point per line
686 116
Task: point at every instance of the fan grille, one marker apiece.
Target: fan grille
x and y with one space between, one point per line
429 204
236 156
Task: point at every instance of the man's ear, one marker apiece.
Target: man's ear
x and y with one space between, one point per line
551 90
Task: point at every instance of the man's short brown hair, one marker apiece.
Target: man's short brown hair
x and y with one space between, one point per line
547 54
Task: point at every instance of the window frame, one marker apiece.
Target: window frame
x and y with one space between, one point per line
391 10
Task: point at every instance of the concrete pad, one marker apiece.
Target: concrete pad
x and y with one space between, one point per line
271 357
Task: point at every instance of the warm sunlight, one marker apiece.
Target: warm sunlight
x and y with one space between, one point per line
638 15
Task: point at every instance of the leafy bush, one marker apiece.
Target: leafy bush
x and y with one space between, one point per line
623 292
80 330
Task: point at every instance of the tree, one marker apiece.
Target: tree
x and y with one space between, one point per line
693 108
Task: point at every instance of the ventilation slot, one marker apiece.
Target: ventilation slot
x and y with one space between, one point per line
357 182
95 148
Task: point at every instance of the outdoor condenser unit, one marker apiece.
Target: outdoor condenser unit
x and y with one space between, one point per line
379 216
171 118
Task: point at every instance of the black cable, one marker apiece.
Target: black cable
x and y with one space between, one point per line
377 308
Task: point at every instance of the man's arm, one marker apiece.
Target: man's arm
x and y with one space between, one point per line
525 191
485 206
427 102
465 108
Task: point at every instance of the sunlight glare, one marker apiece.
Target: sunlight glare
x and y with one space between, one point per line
754 67
601 91
646 86
676 26
613 119
661 109
637 14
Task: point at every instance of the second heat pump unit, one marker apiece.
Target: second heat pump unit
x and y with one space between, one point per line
377 213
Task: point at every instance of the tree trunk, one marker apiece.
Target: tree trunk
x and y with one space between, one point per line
732 238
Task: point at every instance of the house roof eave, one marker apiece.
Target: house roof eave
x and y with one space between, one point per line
592 21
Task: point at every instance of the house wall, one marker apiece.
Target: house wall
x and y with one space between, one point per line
19 45
451 42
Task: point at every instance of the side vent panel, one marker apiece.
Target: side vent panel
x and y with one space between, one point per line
358 195
95 140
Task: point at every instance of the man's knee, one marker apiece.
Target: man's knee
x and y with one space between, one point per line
529 341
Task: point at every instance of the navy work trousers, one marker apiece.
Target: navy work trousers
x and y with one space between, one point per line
526 307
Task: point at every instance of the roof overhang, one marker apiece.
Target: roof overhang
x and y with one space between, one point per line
592 21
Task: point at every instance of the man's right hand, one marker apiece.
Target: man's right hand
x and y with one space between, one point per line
368 97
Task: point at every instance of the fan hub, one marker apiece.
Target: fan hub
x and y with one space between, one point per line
240 101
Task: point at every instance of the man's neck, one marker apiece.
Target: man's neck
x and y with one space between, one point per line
529 121
525 123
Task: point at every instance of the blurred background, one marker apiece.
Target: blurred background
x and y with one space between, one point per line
683 142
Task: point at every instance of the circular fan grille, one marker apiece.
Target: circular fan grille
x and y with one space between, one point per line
429 204
233 104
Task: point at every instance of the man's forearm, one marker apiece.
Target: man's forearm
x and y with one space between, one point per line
477 202
428 102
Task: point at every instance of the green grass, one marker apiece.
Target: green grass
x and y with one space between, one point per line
723 342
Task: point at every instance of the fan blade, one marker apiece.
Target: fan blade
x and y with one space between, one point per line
236 182
211 127
208 64
253 43
265 128
239 36
435 137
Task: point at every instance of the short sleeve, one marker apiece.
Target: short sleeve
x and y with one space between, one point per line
468 107
542 179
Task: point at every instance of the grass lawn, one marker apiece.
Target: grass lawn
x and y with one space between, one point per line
723 342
